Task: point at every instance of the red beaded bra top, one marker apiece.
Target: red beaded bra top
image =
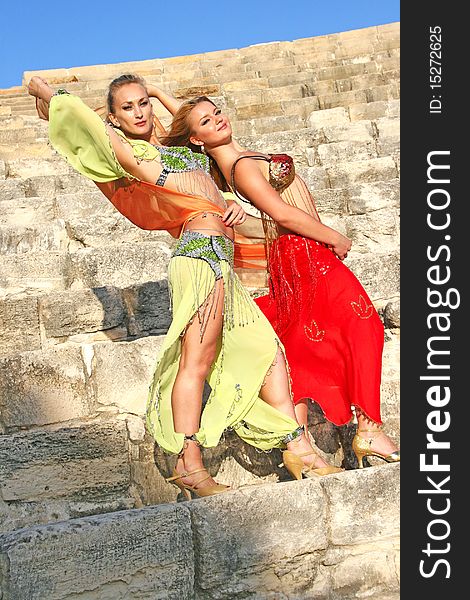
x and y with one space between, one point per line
281 171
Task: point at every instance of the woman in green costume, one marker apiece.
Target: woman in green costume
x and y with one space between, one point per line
217 334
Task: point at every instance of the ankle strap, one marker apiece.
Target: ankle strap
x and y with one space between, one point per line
184 474
188 438
295 435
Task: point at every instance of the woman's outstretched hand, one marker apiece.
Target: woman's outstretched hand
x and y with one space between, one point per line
41 90
234 215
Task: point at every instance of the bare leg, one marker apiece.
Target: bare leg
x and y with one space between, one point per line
369 430
276 392
196 360
301 411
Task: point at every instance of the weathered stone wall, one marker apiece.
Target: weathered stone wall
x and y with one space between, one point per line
84 308
326 538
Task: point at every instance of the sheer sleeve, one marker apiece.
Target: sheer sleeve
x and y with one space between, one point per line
79 134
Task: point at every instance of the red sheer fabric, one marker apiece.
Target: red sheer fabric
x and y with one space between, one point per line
332 334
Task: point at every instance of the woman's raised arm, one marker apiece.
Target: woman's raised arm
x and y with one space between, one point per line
168 101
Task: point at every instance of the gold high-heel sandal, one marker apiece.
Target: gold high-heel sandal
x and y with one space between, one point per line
209 490
295 466
362 448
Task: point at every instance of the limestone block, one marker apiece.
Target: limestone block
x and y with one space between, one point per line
379 274
348 132
245 84
120 266
391 71
122 372
11 188
93 221
29 167
376 231
295 143
259 110
2 171
392 314
342 99
345 174
34 271
328 117
388 135
390 409
67 313
271 63
320 88
301 107
346 71
200 89
27 211
103 557
374 110
367 571
148 307
15 136
5 110
330 201
369 197
334 152
270 533
245 98
315 177
271 124
282 80
18 239
372 493
86 462
370 80
15 515
288 92
385 93
40 387
19 326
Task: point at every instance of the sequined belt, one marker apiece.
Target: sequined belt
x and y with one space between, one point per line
210 248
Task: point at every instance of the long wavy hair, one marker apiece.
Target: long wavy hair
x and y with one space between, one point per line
180 132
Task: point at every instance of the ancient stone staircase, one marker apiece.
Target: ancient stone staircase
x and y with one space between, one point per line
84 308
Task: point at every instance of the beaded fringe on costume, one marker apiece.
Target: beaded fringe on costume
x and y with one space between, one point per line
246 349
331 332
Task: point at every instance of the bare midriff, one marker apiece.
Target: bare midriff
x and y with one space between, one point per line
209 223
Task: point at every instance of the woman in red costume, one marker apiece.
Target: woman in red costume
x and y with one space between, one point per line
331 331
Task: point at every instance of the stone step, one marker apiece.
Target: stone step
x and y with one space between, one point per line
66 222
207 549
19 239
43 186
43 320
64 471
357 76
75 381
85 268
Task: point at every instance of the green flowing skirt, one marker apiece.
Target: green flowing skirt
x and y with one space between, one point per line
247 349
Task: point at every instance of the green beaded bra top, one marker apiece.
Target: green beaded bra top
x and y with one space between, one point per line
180 159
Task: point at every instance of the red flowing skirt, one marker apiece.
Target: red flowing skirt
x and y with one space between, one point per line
331 332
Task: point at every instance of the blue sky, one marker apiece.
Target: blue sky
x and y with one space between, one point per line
48 35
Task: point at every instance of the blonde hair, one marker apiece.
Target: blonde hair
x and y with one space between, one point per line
117 83
179 134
